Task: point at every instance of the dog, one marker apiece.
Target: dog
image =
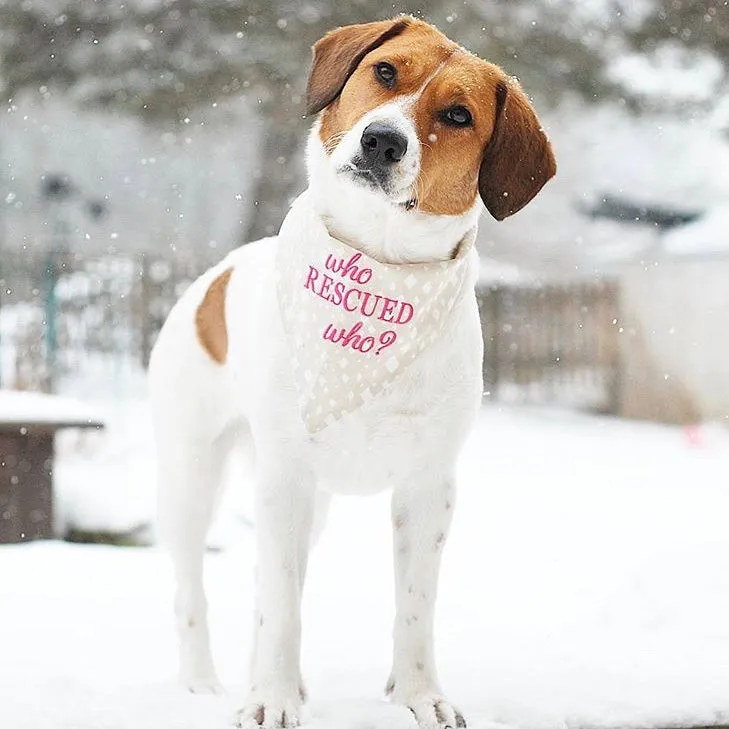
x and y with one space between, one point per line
412 134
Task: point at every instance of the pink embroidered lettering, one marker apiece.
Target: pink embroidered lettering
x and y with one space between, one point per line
326 283
366 295
338 296
346 299
349 269
332 333
388 310
386 339
351 337
406 313
313 275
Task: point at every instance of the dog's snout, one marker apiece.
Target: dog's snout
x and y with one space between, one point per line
383 145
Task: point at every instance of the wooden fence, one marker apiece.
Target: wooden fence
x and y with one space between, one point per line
552 344
68 316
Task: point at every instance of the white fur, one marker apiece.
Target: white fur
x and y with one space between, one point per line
407 440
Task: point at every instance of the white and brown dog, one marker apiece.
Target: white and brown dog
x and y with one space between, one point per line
413 130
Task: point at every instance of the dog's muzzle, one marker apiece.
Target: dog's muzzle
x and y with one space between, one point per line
381 148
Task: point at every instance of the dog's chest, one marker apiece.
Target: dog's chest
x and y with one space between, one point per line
367 452
420 421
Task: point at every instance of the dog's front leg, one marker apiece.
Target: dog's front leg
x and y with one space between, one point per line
285 499
421 516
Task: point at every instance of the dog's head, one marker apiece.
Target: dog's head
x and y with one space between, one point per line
411 116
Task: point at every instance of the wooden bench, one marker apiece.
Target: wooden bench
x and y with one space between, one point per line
28 425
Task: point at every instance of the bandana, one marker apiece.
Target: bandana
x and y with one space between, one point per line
354 324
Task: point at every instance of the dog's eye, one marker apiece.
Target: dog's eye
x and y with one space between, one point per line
457 116
386 74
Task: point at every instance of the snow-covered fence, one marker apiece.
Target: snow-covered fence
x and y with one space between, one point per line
96 318
552 344
70 316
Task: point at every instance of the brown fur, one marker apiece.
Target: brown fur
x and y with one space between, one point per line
212 332
338 54
451 161
505 156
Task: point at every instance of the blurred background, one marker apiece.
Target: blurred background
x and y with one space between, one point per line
142 140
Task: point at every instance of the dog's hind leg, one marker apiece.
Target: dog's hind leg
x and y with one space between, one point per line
190 469
193 412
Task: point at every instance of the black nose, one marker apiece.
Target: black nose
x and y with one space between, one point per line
382 145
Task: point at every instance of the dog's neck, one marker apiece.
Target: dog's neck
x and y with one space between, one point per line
365 220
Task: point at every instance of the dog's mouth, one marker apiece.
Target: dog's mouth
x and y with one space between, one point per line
374 178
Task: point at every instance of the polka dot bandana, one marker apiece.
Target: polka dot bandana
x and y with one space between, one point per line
354 324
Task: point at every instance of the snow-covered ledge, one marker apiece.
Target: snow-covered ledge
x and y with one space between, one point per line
28 424
36 408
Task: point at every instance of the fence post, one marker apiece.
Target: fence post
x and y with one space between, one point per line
615 385
490 310
51 314
2 290
145 313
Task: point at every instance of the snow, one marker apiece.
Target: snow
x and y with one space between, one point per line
586 583
493 272
26 408
104 481
672 73
709 234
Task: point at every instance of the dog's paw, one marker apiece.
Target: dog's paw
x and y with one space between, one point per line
430 710
276 711
202 684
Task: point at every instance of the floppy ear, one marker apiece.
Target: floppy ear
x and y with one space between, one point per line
337 55
518 160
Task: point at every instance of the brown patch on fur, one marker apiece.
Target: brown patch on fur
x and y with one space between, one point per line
212 332
504 155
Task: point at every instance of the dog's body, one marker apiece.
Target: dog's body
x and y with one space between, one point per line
222 367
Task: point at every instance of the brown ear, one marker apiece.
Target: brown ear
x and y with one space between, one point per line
518 160
337 55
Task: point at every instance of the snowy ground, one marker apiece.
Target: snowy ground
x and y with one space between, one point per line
586 584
